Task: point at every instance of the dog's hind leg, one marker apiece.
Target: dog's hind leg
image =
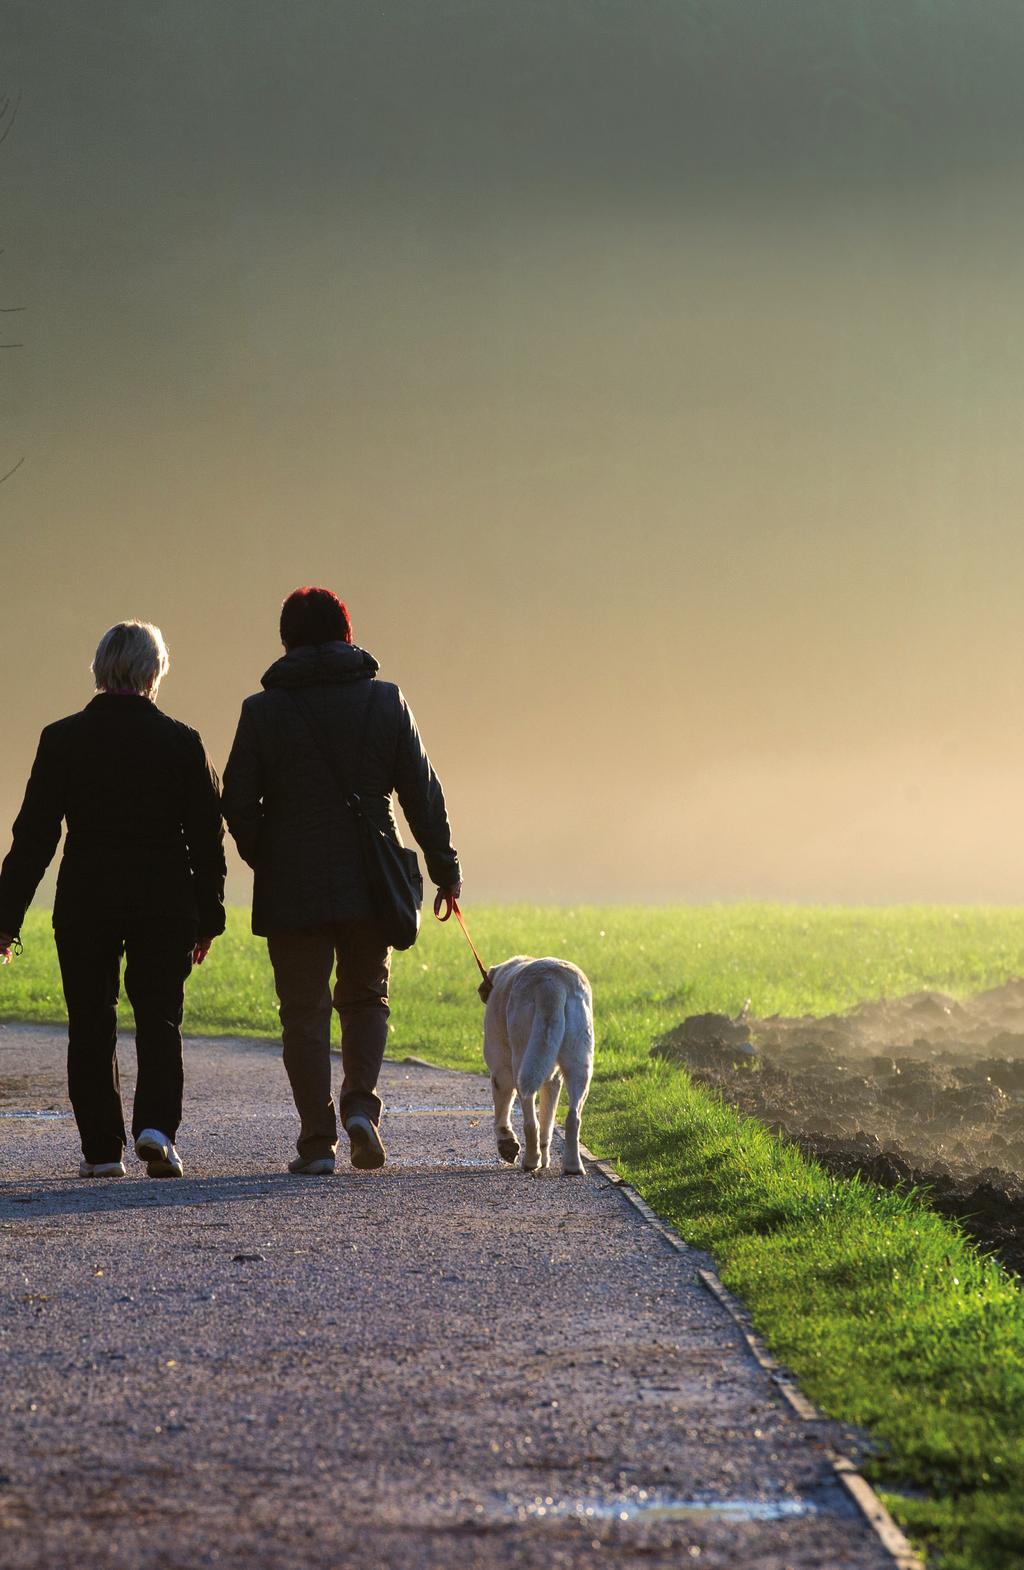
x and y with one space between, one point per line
577 1087
549 1093
504 1092
531 1133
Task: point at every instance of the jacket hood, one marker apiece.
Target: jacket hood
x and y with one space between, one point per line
321 664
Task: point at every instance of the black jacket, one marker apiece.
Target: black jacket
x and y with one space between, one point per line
283 803
145 839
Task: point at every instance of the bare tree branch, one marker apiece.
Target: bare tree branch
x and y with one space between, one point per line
9 127
8 115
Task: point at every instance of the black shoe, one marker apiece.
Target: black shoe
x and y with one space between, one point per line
312 1166
366 1150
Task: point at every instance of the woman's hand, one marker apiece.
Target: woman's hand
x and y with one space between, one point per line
201 950
7 941
446 897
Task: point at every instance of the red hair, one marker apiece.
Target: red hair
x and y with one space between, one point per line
314 616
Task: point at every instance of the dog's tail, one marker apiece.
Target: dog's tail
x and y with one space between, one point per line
546 1033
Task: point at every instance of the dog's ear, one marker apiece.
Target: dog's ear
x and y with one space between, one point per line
485 988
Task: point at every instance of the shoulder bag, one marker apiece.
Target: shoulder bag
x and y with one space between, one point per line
392 871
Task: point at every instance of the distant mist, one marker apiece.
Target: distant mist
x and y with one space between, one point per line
646 375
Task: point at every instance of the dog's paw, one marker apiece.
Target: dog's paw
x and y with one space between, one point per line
508 1150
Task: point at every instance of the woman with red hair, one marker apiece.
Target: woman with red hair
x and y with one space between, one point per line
324 719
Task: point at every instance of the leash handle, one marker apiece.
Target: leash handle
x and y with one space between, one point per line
462 923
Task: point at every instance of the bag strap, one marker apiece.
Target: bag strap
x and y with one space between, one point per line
350 795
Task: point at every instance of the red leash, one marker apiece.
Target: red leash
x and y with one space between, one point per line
459 918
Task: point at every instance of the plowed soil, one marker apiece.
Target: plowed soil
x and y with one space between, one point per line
922 1092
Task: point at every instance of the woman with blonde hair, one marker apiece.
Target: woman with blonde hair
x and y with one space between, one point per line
142 876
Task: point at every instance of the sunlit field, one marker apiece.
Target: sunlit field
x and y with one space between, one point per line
890 1318
649 966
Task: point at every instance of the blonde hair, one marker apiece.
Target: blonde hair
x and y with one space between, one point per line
131 657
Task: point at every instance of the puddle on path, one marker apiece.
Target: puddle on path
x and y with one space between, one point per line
7 1112
653 1506
449 1112
446 1162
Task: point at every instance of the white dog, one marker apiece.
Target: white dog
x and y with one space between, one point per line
538 1030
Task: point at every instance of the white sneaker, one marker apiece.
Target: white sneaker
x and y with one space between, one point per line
159 1154
101 1169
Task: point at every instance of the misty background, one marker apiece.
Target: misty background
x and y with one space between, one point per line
646 375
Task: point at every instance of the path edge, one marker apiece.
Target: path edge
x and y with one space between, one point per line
852 1481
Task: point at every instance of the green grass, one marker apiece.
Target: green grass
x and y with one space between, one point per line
890 1319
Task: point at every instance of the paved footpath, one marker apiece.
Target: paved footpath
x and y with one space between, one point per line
448 1363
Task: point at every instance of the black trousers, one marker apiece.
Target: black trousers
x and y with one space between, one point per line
302 963
158 962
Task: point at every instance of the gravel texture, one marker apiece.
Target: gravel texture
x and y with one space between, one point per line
448 1363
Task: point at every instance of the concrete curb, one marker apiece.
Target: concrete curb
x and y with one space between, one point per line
854 1484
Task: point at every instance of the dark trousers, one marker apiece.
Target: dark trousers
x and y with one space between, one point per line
159 959
302 963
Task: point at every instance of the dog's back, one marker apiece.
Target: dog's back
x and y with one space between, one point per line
547 1012
552 999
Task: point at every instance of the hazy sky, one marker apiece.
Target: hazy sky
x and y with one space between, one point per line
647 375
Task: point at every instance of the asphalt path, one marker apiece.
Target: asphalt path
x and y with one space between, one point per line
447 1363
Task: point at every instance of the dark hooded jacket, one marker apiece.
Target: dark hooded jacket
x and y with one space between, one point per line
145 840
283 800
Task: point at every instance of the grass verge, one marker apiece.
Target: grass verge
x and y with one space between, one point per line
888 1317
